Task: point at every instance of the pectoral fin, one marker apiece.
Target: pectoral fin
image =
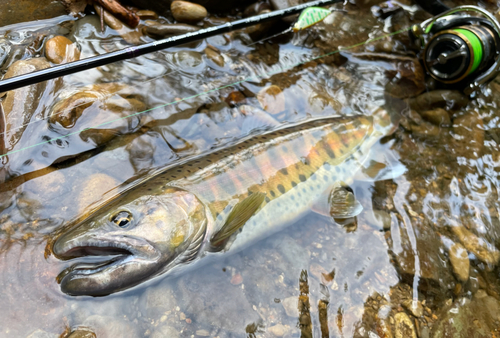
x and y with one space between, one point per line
236 219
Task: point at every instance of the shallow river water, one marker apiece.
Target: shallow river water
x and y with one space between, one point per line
421 260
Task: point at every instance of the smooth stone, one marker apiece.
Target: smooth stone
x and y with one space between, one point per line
184 11
108 326
20 104
483 250
42 334
404 327
61 50
282 4
82 333
165 331
188 60
272 99
438 116
290 304
445 98
278 330
405 75
469 135
433 270
157 30
199 297
157 300
474 318
460 262
416 309
15 11
215 56
146 14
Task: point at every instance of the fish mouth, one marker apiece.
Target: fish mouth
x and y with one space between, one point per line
100 264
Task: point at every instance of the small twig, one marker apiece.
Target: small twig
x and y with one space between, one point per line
128 17
102 18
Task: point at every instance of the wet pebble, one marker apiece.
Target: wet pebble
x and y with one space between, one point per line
451 99
403 326
108 326
42 334
278 330
82 333
157 30
290 305
184 11
202 333
438 116
237 279
157 300
483 250
415 308
215 56
460 262
146 14
272 99
469 135
165 331
61 50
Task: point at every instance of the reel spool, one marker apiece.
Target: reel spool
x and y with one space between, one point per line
460 50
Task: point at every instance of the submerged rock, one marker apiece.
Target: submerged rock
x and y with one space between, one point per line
61 50
445 98
188 12
405 75
101 109
403 326
469 135
460 262
21 104
272 99
483 250
158 30
476 318
438 116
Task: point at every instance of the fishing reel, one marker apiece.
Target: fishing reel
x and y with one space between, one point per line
459 49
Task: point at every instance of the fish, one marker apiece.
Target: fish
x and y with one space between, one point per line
218 203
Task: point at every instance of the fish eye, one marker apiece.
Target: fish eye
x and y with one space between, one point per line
122 219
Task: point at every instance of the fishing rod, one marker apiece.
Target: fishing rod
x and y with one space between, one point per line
311 14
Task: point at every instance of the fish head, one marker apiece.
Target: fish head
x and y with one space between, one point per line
131 240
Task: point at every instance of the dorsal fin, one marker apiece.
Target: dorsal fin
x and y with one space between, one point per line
236 219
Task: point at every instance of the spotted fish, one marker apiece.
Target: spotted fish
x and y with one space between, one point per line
222 202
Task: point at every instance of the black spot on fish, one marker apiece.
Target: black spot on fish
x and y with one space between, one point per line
293 198
284 149
314 177
337 169
209 161
278 204
199 168
174 176
330 152
281 188
294 184
304 190
318 186
284 171
272 193
188 171
325 178
250 192
267 199
178 170
302 178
